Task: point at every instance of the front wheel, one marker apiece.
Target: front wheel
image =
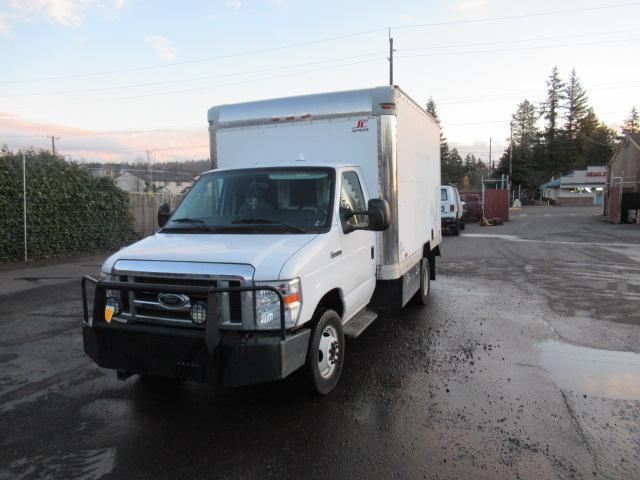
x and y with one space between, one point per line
325 354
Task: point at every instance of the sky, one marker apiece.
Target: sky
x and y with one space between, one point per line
114 78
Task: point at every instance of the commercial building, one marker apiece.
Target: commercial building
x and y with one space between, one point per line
578 188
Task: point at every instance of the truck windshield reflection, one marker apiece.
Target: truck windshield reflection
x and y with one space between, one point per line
296 200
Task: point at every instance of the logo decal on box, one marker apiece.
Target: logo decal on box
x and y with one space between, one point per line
361 126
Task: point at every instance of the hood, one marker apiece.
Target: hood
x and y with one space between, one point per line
266 253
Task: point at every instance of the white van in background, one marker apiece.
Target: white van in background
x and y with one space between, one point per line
451 209
320 209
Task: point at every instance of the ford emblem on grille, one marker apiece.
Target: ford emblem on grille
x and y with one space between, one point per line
173 301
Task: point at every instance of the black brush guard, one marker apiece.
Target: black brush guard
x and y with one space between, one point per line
209 355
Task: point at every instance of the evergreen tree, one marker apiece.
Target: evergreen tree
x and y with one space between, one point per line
525 124
632 124
550 110
576 111
444 145
576 106
452 168
597 141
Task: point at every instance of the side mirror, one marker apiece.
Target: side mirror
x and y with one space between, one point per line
379 214
164 212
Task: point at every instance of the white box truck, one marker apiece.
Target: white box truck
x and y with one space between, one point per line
319 211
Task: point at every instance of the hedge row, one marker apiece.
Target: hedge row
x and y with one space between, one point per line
69 212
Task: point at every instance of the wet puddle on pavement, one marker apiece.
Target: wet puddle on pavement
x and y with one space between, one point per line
602 373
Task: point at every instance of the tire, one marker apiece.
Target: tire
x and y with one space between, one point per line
455 228
462 224
325 354
422 295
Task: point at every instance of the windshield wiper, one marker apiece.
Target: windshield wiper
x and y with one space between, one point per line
268 222
200 224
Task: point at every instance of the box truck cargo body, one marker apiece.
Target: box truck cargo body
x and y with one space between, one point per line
319 210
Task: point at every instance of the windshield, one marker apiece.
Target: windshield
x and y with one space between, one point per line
273 200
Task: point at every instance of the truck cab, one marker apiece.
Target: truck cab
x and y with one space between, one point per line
273 257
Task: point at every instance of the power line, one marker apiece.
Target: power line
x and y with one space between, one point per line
515 17
193 79
517 49
323 40
283 67
602 86
208 87
198 60
532 39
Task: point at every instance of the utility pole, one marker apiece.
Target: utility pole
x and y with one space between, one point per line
149 169
24 201
53 144
510 156
490 161
390 58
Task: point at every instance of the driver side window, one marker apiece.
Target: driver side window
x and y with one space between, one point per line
352 198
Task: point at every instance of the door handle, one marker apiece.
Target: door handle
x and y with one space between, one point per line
336 253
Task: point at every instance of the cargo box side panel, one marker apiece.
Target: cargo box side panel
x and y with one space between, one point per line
418 164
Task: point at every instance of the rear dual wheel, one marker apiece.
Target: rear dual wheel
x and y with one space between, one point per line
422 295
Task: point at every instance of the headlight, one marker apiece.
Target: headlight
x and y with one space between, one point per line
268 304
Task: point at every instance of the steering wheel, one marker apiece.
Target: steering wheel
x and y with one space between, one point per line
315 208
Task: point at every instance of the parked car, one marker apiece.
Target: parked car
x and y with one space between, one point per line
473 206
276 256
451 209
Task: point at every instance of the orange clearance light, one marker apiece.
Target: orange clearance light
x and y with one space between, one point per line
291 298
388 106
108 313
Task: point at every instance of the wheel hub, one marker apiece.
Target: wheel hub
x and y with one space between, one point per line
328 352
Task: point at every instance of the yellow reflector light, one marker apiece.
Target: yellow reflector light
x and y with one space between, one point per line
108 313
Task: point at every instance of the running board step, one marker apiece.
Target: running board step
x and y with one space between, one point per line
359 323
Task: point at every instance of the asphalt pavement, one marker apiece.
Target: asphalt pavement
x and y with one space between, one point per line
526 364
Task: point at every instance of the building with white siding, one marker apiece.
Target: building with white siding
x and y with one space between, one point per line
578 188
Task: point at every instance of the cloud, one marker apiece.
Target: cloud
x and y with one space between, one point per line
95 145
406 18
275 3
5 29
69 13
471 5
162 46
234 4
64 12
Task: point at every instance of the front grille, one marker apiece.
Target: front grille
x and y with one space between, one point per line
145 307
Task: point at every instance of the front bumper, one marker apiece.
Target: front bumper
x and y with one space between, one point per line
209 355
